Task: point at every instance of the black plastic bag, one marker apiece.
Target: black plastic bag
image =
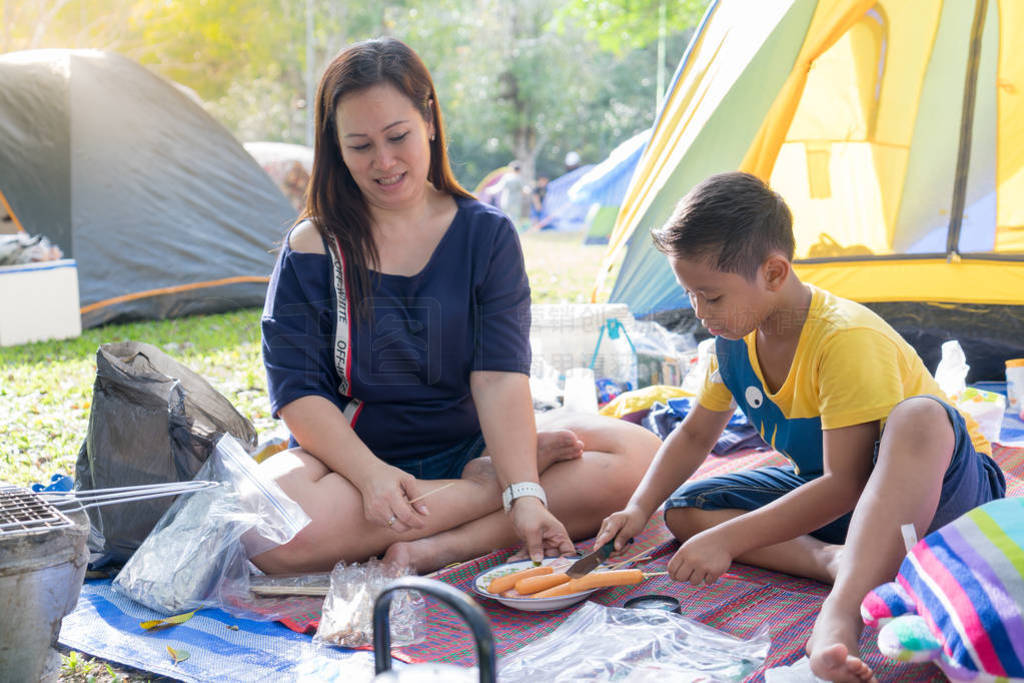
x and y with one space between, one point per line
152 421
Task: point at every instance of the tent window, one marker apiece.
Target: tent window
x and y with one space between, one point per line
818 176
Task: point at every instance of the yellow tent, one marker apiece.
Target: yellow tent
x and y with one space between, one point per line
894 130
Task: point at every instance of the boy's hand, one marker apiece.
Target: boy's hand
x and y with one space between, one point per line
621 527
701 560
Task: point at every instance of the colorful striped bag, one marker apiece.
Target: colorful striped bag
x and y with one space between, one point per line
958 598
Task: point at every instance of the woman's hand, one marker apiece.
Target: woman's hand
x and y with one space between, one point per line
386 495
540 530
622 526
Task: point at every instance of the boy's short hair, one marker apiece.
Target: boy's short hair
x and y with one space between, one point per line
733 221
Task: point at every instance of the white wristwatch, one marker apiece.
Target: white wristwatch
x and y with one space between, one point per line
520 489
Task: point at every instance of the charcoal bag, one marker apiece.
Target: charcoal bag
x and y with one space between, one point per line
152 421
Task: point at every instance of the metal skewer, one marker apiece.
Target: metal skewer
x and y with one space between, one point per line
123 494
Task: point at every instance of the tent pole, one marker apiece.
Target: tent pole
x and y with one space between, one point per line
963 159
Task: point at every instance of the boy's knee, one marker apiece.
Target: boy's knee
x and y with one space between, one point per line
683 522
918 423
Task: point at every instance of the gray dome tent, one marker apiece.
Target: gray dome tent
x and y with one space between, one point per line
164 211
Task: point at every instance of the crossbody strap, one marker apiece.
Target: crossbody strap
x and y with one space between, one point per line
343 331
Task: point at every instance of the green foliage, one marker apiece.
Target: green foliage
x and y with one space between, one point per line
519 79
622 25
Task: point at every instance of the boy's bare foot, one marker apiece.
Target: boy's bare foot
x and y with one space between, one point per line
833 648
556 445
829 556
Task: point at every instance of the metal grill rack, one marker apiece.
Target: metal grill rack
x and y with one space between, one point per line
23 512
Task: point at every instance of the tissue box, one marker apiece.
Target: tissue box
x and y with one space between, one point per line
986 407
39 301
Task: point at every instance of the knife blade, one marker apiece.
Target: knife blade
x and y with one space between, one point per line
590 562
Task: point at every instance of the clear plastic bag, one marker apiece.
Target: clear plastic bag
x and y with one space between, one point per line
615 643
198 553
986 407
347 617
663 357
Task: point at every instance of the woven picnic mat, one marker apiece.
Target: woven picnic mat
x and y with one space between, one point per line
741 601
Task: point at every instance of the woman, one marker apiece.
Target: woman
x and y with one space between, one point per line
396 341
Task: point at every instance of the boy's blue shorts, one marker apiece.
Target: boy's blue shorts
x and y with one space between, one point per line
446 464
971 479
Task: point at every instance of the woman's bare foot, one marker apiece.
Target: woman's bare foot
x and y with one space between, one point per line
833 648
556 445
422 556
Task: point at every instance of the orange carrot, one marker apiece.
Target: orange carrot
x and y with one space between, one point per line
535 584
503 583
556 592
618 577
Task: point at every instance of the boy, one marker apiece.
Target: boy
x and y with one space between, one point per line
833 388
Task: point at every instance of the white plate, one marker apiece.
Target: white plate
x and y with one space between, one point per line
528 604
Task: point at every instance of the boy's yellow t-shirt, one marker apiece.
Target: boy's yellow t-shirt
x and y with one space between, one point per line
850 367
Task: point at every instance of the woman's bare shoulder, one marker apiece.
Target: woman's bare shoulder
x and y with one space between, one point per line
305 238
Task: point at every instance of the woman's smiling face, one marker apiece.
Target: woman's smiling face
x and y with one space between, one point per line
385 143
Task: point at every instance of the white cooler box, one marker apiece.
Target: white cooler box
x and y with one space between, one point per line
39 301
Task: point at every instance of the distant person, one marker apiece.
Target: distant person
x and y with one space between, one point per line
871 440
511 192
396 344
572 161
537 194
294 184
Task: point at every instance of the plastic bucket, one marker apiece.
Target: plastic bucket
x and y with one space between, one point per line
41 575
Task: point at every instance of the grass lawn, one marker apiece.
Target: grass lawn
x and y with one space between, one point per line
46 387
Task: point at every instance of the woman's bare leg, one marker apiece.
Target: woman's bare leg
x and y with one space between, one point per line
581 492
339 531
904 487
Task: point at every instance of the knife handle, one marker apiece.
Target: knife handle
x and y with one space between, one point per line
608 548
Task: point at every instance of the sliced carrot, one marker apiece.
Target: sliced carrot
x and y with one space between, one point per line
618 577
535 584
503 583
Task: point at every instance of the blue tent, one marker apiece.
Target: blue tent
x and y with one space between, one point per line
559 212
602 188
606 183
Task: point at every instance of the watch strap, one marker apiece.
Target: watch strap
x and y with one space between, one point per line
520 489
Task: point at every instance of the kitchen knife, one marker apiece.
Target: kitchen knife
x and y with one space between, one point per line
588 563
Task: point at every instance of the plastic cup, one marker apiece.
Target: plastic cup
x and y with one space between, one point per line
580 391
1015 385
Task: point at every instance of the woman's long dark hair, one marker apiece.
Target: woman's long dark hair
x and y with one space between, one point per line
334 202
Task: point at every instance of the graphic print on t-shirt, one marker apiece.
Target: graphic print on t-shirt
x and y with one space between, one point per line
799 439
